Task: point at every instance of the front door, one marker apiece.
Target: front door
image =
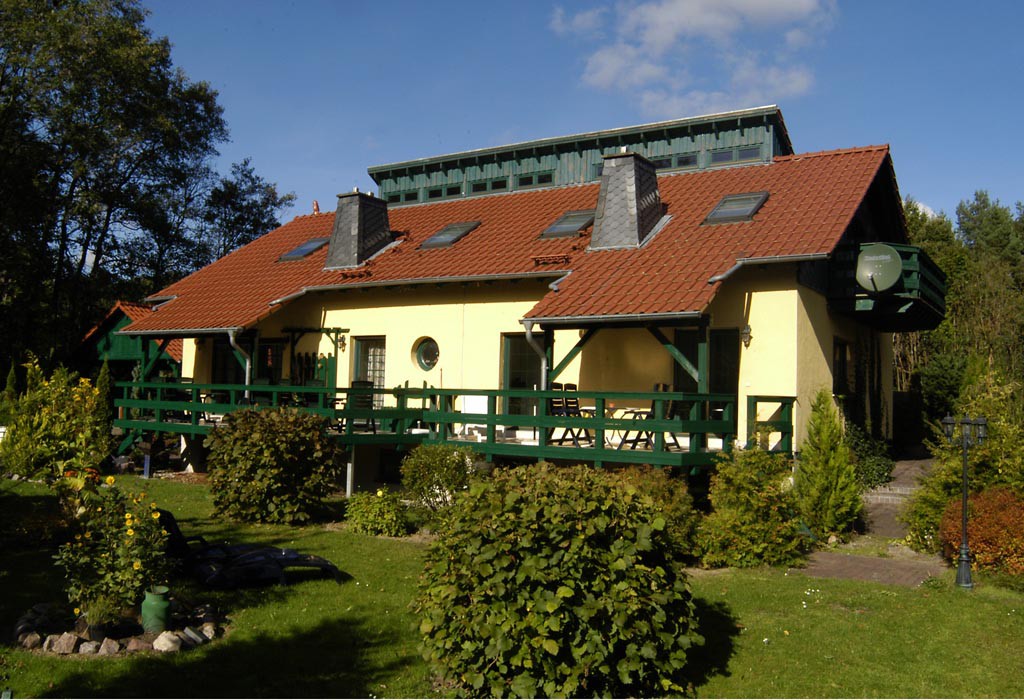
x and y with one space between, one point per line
369 364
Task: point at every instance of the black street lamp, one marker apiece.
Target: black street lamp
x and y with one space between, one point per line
972 432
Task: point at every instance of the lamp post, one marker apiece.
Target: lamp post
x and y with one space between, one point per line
972 432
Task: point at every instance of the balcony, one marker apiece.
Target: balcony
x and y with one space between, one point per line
915 301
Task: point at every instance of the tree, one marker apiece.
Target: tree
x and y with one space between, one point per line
827 490
240 209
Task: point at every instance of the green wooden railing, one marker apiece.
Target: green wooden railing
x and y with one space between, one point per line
779 424
665 429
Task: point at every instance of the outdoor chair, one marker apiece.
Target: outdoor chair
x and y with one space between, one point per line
236 565
556 407
360 398
643 436
571 409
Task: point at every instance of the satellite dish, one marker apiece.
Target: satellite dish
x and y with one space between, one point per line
879 267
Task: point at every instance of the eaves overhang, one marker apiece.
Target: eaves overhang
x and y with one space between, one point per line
421 281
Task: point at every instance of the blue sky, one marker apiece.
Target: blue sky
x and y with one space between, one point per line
317 91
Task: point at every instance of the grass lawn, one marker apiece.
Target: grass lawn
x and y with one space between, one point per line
318 638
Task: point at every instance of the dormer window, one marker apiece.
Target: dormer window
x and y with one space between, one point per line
451 233
734 208
571 223
310 246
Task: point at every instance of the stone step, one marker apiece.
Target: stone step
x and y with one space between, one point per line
874 497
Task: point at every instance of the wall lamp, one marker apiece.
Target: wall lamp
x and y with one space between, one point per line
745 335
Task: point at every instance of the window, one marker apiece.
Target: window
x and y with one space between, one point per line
749 153
537 180
453 191
736 207
478 187
449 234
393 198
444 192
597 171
735 155
662 163
435 193
687 161
500 184
410 196
719 157
427 353
569 224
310 246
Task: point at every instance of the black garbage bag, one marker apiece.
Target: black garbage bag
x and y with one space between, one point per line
237 565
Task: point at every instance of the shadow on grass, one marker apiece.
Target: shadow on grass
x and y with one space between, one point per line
329 660
718 626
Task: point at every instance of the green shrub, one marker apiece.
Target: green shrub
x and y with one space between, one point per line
999 461
9 397
54 428
116 549
271 466
754 520
556 582
433 474
871 460
995 530
379 513
826 485
671 496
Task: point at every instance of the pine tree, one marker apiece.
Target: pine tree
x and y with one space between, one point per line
104 403
827 489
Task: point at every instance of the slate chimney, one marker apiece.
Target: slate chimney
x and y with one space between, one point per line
361 229
628 205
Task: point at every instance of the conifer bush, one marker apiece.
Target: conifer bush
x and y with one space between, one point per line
556 582
754 518
828 491
273 466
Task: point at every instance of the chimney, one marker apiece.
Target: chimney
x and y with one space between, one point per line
316 207
361 229
628 205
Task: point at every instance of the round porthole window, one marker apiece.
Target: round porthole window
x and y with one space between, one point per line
427 353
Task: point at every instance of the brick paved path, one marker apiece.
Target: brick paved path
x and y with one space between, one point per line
882 505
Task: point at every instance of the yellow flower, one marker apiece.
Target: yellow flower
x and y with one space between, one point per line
78 610
142 496
88 534
153 505
131 532
380 492
137 565
99 509
110 481
156 516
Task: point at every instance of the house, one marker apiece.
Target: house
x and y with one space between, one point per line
122 353
701 253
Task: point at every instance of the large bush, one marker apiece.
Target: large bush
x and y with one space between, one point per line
671 496
999 461
433 474
754 520
271 466
55 427
995 530
116 548
553 582
826 484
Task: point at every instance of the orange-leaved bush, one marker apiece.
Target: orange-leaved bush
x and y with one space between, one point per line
995 530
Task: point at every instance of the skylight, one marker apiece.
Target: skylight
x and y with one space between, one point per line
736 207
310 246
569 224
449 234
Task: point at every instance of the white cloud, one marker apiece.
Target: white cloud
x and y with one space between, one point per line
686 57
586 22
621 66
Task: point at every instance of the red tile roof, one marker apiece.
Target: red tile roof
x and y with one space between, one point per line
813 198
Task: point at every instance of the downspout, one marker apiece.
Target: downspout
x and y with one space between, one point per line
248 358
528 325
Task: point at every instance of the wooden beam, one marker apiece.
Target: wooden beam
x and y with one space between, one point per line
150 362
679 357
591 332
